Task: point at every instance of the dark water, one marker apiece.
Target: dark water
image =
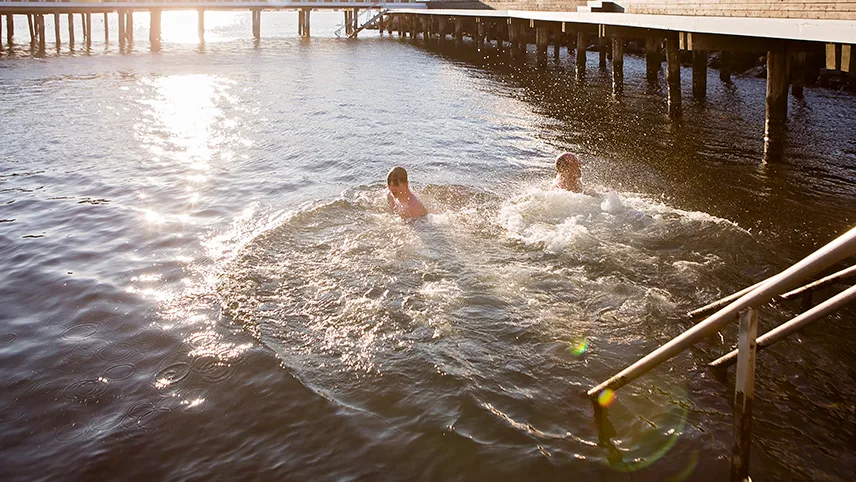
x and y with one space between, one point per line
200 279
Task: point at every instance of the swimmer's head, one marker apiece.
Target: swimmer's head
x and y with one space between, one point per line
396 180
568 172
568 163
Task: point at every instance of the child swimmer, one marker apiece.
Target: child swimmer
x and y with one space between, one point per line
400 198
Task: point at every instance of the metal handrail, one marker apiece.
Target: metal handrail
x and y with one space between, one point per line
376 5
842 247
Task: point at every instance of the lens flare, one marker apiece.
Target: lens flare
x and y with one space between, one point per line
606 398
578 347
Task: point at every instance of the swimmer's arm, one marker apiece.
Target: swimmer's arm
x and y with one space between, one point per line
390 201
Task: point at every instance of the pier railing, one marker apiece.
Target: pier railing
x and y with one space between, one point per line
744 307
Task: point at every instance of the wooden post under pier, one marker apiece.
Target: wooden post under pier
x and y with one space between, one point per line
83 27
441 28
257 28
542 39
725 59
798 74
200 25
57 37
129 27
523 30
71 31
307 22
617 65
122 36
88 30
106 29
41 24
673 73
32 29
459 31
557 42
480 34
652 58
155 29
777 104
10 29
582 40
602 47
300 22
699 74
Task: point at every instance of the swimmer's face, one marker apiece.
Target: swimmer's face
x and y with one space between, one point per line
398 187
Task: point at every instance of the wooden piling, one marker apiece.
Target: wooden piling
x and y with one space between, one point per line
83 27
673 73
257 20
155 29
412 22
1 30
725 60
777 104
41 25
602 47
106 30
557 42
744 393
542 39
123 37
617 65
582 40
88 19
57 37
480 34
459 31
10 29
652 58
200 25
512 38
522 37
129 27
32 29
425 27
307 22
71 30
356 21
798 74
300 23
441 28
699 74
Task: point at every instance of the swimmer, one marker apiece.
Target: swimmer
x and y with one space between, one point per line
568 173
400 198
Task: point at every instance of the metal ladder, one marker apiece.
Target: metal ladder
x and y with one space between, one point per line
367 23
744 306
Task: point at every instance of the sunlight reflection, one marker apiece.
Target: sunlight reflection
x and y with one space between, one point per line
180 26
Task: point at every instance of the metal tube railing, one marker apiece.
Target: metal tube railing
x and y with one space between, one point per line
840 248
771 337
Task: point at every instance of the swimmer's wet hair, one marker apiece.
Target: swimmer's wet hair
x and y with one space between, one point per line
398 174
567 160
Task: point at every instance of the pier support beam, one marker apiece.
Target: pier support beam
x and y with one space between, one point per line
542 39
412 22
480 34
307 22
744 394
71 30
602 47
31 29
41 24
425 30
200 25
523 38
57 37
777 104
155 29
10 29
617 65
725 59
459 31
355 21
88 19
300 23
106 29
798 74
582 40
257 24
652 58
129 27
441 28
699 74
557 42
123 37
673 73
